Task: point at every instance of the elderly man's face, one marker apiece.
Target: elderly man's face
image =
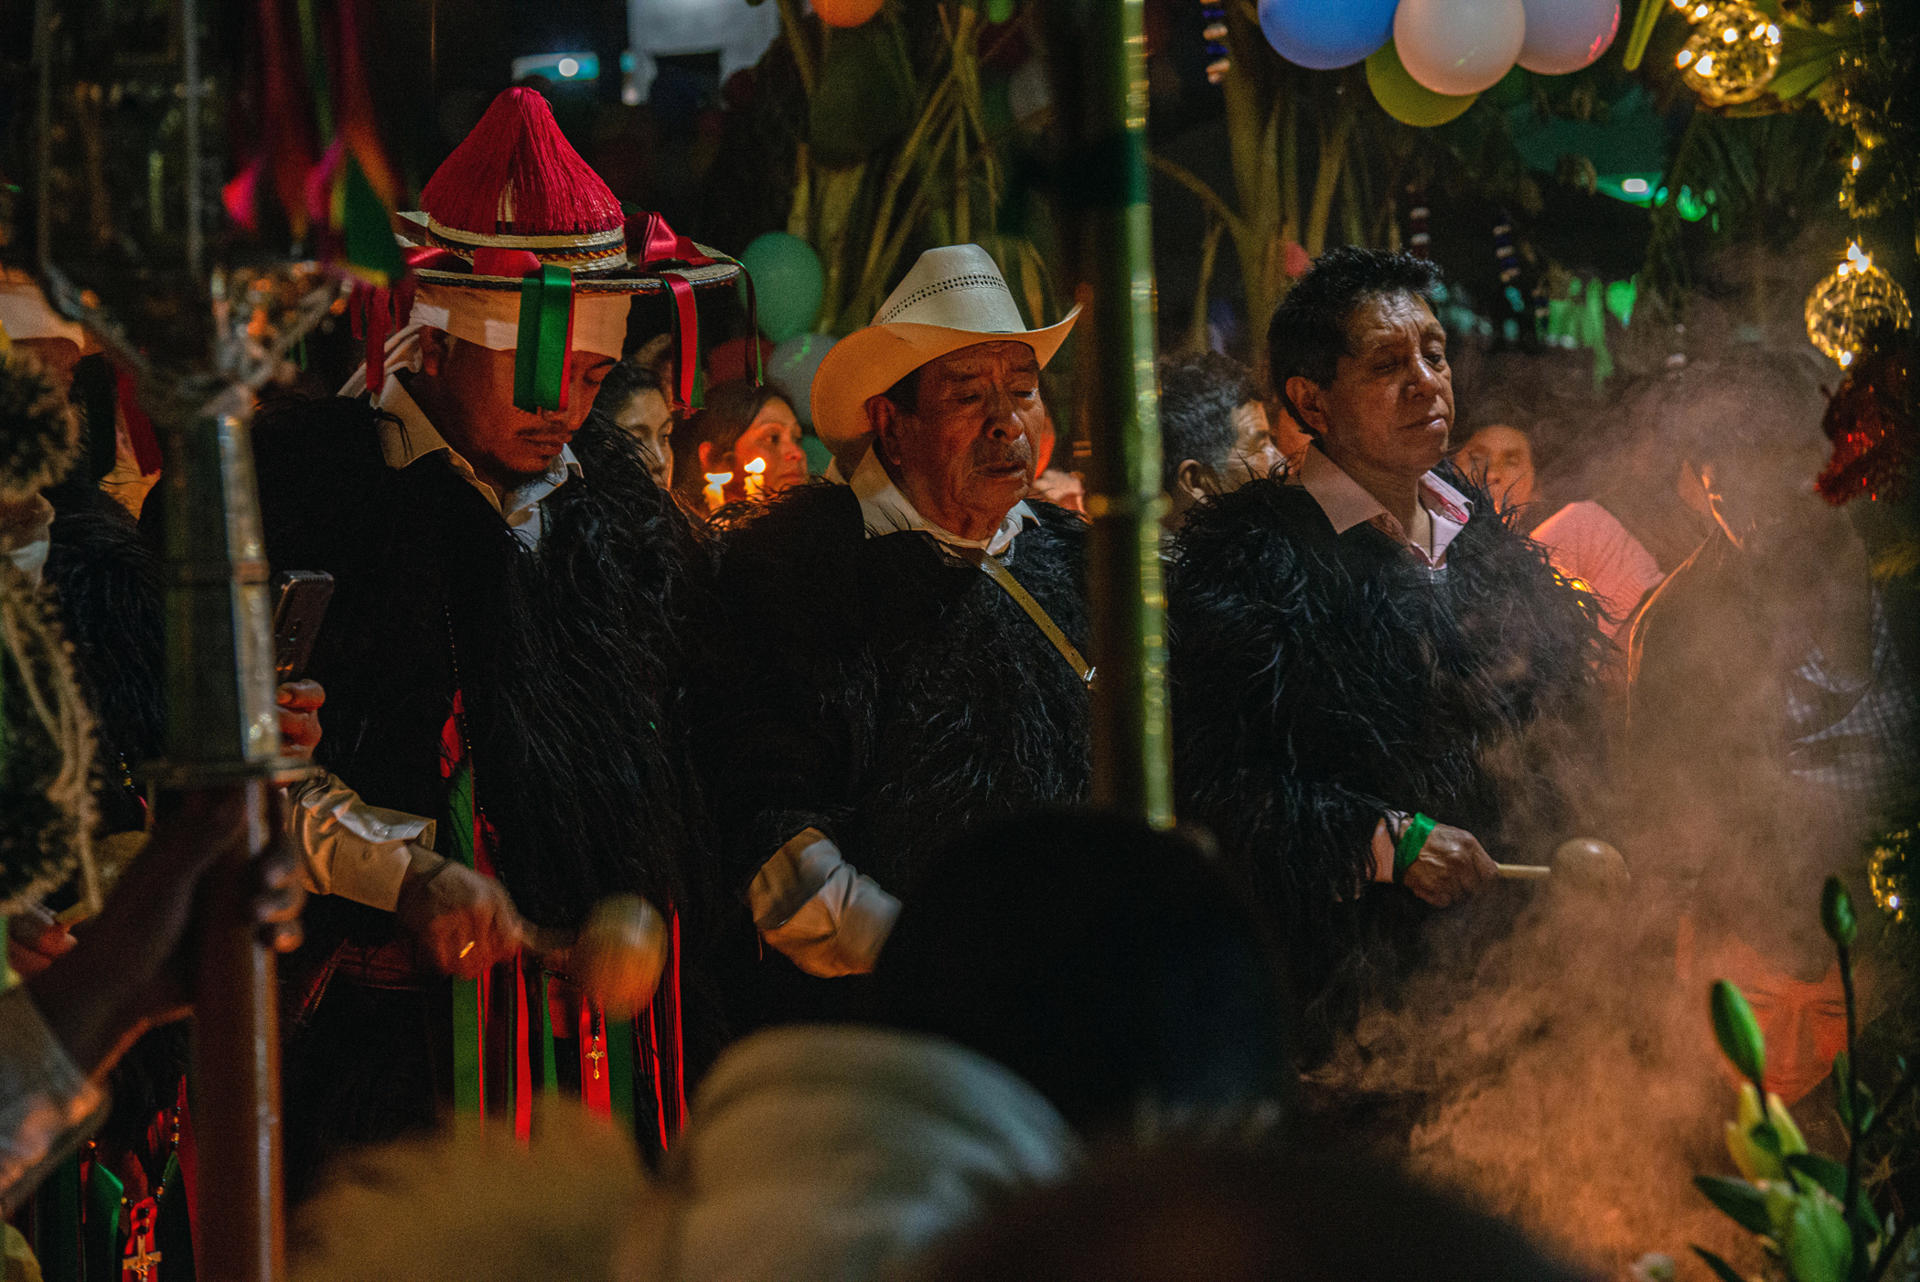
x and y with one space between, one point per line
966 453
1390 405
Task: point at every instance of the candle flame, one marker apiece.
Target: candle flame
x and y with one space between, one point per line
754 467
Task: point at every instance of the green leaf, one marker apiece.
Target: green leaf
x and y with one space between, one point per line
1766 1136
1817 1244
1836 913
1823 1171
1720 1267
1744 1204
1842 1104
1642 31
1793 81
1737 1031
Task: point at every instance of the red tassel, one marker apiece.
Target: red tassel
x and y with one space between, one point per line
516 173
146 443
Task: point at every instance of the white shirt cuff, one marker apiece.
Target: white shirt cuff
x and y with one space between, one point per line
816 908
1386 839
349 848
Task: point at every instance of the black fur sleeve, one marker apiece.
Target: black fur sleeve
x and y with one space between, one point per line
775 731
1254 696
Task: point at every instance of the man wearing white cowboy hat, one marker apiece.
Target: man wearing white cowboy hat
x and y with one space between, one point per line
502 650
913 635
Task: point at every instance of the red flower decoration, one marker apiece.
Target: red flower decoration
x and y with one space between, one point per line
1870 420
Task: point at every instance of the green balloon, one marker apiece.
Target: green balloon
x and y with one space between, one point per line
787 283
1406 99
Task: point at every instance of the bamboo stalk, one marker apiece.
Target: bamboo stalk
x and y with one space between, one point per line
1097 61
902 166
1197 319
1218 207
1328 165
797 41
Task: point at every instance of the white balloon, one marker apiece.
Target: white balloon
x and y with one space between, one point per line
1566 35
1459 46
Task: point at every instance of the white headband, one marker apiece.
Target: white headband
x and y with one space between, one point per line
491 317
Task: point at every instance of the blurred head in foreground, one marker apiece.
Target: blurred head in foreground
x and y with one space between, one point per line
1111 965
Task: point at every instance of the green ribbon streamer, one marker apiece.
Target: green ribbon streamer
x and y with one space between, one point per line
621 1082
466 992
366 232
57 1235
540 359
103 1224
549 1060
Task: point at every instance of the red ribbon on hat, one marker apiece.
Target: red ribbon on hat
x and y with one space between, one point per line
659 243
376 311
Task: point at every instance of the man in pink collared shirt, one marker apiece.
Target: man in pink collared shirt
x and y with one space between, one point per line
1371 670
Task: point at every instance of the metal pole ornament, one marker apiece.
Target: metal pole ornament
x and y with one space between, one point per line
128 175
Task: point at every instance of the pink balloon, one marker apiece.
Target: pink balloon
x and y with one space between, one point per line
1566 35
1459 46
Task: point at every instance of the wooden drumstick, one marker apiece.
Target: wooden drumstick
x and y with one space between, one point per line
1586 863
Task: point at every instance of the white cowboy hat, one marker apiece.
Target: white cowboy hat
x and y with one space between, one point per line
954 297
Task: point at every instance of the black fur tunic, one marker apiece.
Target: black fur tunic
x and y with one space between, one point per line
884 691
567 657
1320 680
568 662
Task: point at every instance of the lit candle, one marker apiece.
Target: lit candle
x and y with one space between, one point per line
756 470
716 489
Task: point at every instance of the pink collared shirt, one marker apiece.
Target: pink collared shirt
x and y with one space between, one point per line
1347 505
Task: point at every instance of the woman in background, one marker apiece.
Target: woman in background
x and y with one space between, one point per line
635 399
749 435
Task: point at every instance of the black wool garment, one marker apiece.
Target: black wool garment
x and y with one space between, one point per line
1322 679
569 664
885 691
567 657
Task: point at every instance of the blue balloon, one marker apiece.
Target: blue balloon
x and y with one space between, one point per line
1324 34
791 370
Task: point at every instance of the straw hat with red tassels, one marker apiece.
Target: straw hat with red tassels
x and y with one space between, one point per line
519 246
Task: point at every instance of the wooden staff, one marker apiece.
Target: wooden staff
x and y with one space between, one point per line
1096 53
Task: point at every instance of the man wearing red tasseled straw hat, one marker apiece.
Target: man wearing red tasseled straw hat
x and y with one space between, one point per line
501 654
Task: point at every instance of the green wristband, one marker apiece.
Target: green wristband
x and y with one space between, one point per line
1413 839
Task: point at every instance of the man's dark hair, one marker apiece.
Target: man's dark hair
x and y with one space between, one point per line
1308 333
1112 966
905 394
1198 395
625 381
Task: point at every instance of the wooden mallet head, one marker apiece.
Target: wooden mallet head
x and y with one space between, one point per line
620 954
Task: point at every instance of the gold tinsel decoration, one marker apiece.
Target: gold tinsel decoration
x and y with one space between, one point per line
1855 297
1732 55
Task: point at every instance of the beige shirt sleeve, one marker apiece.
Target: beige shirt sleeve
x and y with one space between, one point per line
816 908
349 848
47 1105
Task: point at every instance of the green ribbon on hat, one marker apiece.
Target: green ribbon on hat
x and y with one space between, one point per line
546 324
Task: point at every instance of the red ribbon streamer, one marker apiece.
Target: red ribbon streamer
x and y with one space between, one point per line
657 243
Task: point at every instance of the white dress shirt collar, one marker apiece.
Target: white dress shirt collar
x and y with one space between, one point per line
1346 505
886 510
29 539
413 438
